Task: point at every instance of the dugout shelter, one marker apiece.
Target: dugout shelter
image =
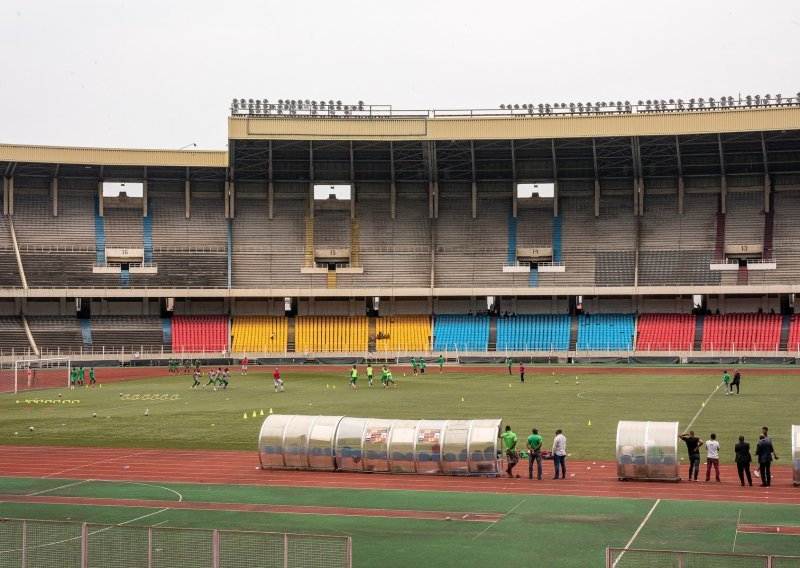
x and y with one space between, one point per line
796 454
647 451
346 443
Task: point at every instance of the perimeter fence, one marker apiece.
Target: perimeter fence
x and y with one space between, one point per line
44 544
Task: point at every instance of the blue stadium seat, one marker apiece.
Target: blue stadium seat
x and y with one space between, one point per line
543 332
461 332
605 332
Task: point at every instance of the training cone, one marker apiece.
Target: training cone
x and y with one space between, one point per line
334 386
702 405
270 410
462 399
99 386
261 413
590 423
245 416
327 386
254 414
509 385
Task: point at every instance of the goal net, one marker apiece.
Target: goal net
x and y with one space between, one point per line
35 374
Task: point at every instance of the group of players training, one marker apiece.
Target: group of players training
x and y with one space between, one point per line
417 367
77 376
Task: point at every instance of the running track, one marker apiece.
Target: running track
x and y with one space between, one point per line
591 479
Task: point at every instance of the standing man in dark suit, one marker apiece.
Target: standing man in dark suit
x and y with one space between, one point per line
743 460
764 453
737 378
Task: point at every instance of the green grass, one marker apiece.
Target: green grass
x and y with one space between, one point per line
603 399
575 530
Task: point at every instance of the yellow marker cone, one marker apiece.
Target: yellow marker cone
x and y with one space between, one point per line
99 386
590 423
17 402
334 386
245 416
261 413
254 414
702 405
270 410
327 386
462 399
509 385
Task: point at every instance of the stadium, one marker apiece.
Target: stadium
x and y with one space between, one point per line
642 248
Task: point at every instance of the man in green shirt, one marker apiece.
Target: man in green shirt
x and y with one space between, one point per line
81 376
512 457
353 376
91 377
422 366
384 372
535 453
441 364
73 376
726 380
369 373
414 366
509 362
389 379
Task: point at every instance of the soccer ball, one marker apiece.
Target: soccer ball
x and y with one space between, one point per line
94 415
31 428
147 412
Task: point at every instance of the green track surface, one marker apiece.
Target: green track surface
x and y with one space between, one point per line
537 530
603 399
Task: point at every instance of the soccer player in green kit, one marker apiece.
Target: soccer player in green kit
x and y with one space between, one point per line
91 377
389 379
441 364
369 373
353 376
422 366
196 378
414 366
383 376
73 376
81 376
212 378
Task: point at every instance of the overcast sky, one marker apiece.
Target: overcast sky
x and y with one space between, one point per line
161 74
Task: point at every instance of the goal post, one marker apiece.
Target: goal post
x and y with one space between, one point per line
36 374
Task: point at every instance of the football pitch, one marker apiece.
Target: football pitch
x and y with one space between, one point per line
397 526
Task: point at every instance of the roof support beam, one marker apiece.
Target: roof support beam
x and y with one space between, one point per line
681 186
596 180
54 194
514 178
5 195
352 184
722 177
638 183
474 180
270 185
311 179
393 186
187 197
555 176
144 193
765 157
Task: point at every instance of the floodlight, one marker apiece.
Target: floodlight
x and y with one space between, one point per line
308 102
503 106
525 106
516 107
648 101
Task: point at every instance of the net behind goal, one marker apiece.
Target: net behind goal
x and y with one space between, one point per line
34 374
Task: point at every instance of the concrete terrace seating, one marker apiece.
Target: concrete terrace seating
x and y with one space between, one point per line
471 252
12 337
542 332
744 220
786 238
133 333
123 227
195 334
269 253
393 252
188 252
663 229
676 267
56 334
605 332
461 333
661 332
742 332
259 334
9 270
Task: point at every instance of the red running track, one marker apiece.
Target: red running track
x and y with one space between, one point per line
591 479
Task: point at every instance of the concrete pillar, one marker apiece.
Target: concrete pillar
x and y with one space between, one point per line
270 197
5 195
393 199
144 198
232 198
227 201
11 196
596 197
681 194
54 195
474 200
311 199
187 195
100 198
555 198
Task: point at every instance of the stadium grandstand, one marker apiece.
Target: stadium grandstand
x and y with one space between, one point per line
611 230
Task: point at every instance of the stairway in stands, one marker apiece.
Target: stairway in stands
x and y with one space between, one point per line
786 326
99 235
166 331
86 332
533 280
147 239
331 279
769 228
741 276
698 333
557 239
719 245
493 333
124 278
573 333
290 335
512 239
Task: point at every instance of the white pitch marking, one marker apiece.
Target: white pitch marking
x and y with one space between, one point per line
496 521
736 532
59 487
689 427
96 463
641 526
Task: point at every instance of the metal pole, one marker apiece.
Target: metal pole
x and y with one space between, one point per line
24 543
150 547
285 550
84 545
215 548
